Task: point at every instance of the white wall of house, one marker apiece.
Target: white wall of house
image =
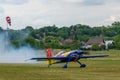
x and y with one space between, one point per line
107 42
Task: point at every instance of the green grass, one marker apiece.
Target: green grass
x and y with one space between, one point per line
107 68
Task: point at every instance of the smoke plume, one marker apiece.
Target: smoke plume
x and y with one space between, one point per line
8 54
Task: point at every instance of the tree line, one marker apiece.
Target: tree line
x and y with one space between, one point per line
51 36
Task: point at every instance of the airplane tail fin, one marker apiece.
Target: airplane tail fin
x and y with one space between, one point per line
49 55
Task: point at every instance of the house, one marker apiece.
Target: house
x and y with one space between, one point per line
92 41
108 42
66 41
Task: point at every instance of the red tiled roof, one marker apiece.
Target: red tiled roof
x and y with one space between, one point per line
95 41
66 41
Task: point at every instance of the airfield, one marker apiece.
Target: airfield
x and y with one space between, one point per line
107 68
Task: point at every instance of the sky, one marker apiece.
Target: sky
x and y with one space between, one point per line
39 13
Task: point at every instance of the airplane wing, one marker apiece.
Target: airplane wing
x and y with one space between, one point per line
94 56
52 58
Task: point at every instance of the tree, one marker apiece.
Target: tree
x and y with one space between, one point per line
117 41
64 32
52 35
29 29
111 46
52 42
1 30
15 43
32 42
95 47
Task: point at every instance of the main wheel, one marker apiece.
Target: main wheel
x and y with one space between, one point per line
65 66
83 65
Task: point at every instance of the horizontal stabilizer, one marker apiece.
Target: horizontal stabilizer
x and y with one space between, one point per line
52 58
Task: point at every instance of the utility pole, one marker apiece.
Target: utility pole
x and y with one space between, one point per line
8 19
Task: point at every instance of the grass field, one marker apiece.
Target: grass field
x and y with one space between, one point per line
107 68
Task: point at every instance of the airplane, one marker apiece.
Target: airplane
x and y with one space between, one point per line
66 57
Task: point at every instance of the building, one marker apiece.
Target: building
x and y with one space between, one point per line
108 42
66 41
92 41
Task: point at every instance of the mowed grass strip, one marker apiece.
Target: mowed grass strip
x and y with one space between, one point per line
97 69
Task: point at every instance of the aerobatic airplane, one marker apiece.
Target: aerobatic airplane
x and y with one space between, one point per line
66 57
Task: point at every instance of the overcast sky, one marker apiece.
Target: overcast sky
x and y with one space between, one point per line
38 13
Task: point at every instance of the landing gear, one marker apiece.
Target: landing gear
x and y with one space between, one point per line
65 66
49 65
81 65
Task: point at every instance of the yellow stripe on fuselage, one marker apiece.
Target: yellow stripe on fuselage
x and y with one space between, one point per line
50 61
65 54
53 61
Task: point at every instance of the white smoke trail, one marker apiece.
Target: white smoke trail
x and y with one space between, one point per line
10 55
